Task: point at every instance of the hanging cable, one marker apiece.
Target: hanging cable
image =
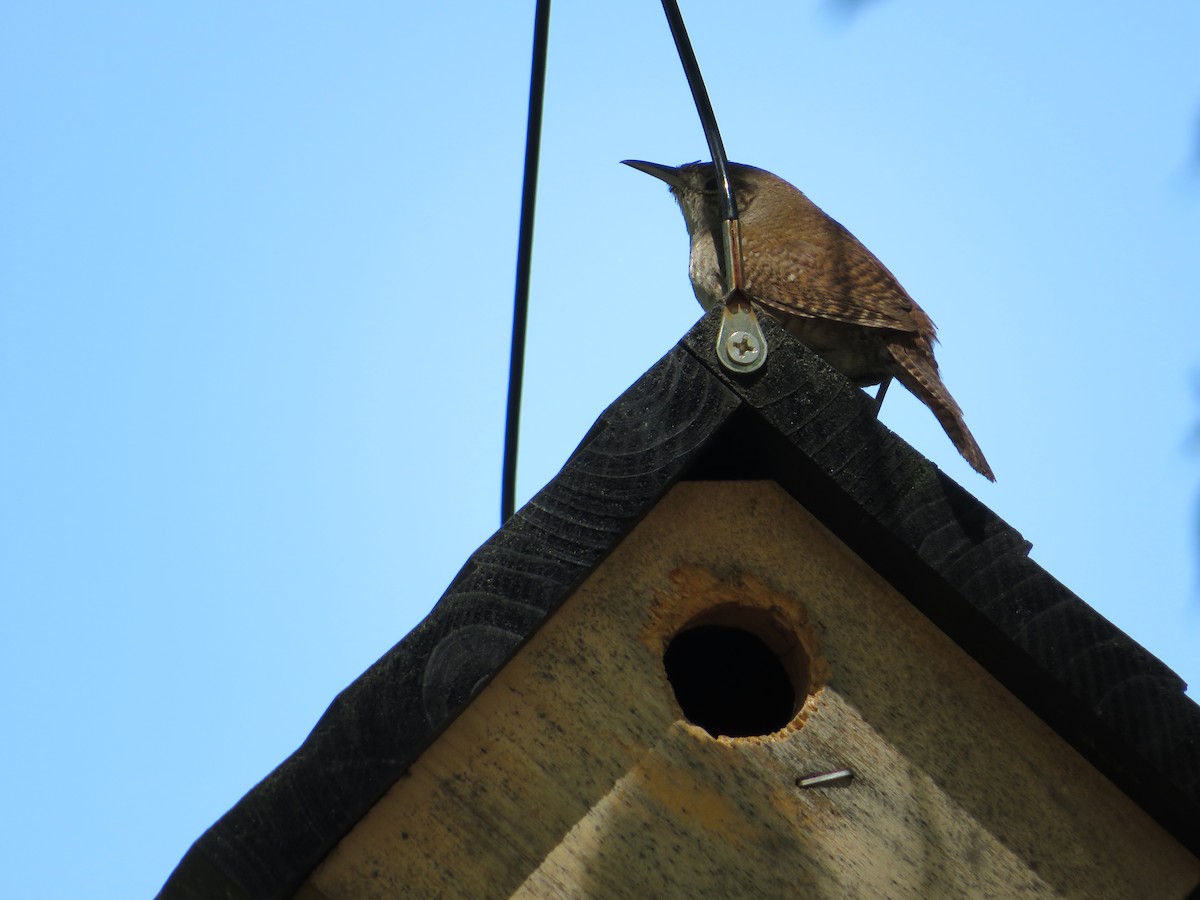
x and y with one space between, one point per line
516 371
708 120
741 346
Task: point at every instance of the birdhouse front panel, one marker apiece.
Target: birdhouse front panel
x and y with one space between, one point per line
734 704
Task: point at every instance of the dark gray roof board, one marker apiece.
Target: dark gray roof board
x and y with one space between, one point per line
801 424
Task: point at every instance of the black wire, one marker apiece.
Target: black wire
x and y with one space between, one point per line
700 94
516 371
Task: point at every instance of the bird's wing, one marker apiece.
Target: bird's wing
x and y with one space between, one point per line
841 280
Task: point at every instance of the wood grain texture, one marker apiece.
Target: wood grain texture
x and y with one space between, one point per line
379 725
970 572
794 421
574 774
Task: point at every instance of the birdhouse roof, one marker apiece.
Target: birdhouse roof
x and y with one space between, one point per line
796 422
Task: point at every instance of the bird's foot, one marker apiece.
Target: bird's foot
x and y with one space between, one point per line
883 386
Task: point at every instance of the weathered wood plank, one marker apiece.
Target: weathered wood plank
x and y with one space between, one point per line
799 423
970 572
573 773
379 725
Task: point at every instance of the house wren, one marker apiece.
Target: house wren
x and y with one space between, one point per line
813 276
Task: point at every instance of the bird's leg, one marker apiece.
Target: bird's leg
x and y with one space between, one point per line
883 386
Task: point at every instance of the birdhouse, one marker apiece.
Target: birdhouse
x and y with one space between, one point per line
747 643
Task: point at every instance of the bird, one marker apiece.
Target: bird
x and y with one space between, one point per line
810 274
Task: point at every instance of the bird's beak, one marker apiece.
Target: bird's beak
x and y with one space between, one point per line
669 174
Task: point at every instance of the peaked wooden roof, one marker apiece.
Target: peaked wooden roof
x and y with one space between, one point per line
799 423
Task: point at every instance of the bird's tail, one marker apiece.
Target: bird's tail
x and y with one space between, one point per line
918 372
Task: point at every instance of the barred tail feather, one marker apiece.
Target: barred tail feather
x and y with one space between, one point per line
918 372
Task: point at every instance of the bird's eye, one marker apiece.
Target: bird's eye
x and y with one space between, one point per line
711 184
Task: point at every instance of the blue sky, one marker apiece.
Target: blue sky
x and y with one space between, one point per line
256 271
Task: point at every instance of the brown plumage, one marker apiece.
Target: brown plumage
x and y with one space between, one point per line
814 277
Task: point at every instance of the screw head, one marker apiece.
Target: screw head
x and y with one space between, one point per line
743 347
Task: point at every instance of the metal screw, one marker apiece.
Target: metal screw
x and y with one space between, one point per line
826 779
743 348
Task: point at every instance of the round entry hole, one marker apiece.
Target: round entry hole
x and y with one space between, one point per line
728 680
